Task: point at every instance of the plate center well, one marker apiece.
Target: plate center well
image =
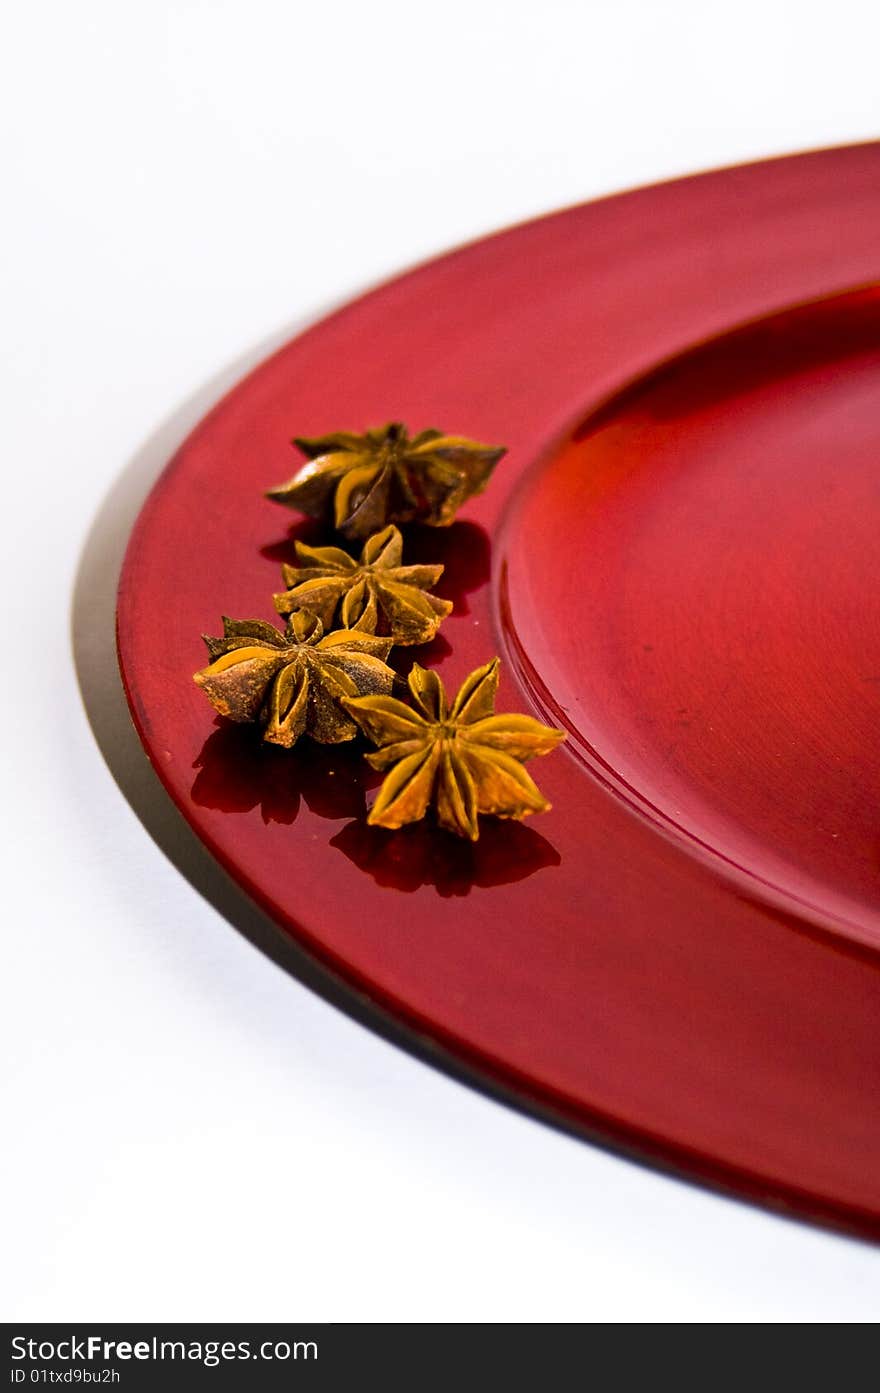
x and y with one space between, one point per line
692 584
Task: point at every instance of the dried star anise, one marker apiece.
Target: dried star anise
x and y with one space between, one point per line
376 592
293 682
464 760
361 482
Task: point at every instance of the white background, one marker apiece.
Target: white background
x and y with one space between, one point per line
190 1131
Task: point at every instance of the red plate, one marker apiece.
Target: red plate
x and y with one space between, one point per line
679 560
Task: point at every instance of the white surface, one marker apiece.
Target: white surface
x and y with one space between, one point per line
190 1133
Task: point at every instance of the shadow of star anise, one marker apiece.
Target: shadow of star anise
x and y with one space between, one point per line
238 772
420 856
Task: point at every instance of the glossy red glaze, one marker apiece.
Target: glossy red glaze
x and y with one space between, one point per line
724 670
682 956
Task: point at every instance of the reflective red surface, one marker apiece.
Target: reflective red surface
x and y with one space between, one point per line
679 561
723 666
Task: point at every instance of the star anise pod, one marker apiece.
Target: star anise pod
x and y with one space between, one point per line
376 592
361 482
293 682
463 760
